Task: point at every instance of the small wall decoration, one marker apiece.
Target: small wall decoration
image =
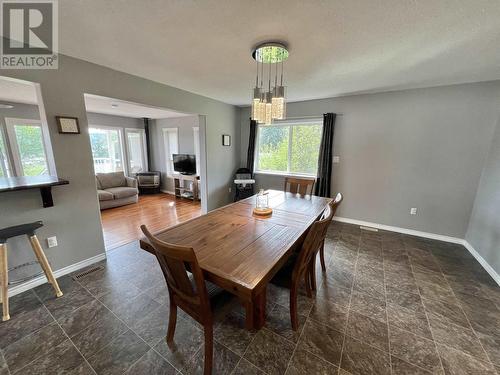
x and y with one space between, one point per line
226 140
68 125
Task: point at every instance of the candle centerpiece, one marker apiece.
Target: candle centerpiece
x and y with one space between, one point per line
262 204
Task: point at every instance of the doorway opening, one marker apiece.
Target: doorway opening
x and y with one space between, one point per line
149 165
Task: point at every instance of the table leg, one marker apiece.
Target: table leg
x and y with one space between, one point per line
249 320
255 311
259 309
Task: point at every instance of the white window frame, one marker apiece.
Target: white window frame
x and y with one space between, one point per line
288 124
10 123
122 143
169 162
142 132
6 168
196 141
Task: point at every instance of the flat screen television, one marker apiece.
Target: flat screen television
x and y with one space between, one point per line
184 163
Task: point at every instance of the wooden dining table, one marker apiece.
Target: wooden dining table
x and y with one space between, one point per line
240 251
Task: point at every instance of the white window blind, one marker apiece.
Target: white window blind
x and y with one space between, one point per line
171 146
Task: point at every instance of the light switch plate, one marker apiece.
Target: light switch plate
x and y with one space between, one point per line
52 241
413 211
336 159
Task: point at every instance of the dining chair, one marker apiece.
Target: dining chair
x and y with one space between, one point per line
303 186
334 205
187 289
300 266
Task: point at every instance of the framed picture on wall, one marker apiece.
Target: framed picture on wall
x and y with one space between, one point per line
67 125
226 140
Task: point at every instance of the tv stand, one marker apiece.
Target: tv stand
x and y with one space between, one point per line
186 186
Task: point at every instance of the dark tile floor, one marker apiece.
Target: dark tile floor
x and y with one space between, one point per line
388 303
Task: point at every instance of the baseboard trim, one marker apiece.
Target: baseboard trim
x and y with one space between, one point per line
411 232
167 192
494 275
60 272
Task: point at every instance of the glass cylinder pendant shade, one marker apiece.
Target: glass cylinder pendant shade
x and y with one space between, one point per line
255 109
268 118
279 103
262 200
261 112
255 103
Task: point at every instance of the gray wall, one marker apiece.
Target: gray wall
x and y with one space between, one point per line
420 148
75 216
114 121
484 226
186 144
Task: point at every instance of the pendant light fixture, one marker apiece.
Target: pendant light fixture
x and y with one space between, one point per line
269 104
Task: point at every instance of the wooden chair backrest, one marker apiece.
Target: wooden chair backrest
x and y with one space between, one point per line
302 186
334 204
173 260
312 243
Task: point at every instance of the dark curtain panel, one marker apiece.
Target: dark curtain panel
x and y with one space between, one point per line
324 178
251 144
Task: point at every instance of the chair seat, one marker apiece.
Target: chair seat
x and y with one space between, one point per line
212 289
18 230
284 275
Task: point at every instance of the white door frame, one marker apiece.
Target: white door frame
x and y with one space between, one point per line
202 124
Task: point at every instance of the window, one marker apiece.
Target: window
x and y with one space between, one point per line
170 146
107 149
27 144
196 136
288 148
4 161
136 150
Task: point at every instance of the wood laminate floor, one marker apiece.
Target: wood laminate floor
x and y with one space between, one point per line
121 225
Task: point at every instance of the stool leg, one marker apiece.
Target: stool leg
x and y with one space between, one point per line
4 271
37 248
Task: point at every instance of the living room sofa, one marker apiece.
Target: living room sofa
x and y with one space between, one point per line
115 189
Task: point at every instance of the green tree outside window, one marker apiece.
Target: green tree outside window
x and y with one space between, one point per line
289 148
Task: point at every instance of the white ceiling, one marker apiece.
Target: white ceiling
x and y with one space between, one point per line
101 104
337 47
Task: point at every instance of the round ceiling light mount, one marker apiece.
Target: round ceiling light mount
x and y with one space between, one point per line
270 52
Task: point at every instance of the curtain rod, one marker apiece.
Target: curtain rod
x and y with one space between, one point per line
301 117
305 117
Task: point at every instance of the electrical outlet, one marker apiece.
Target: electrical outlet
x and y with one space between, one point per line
229 188
413 211
336 159
52 241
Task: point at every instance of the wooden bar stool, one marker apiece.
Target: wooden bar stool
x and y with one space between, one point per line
18 230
